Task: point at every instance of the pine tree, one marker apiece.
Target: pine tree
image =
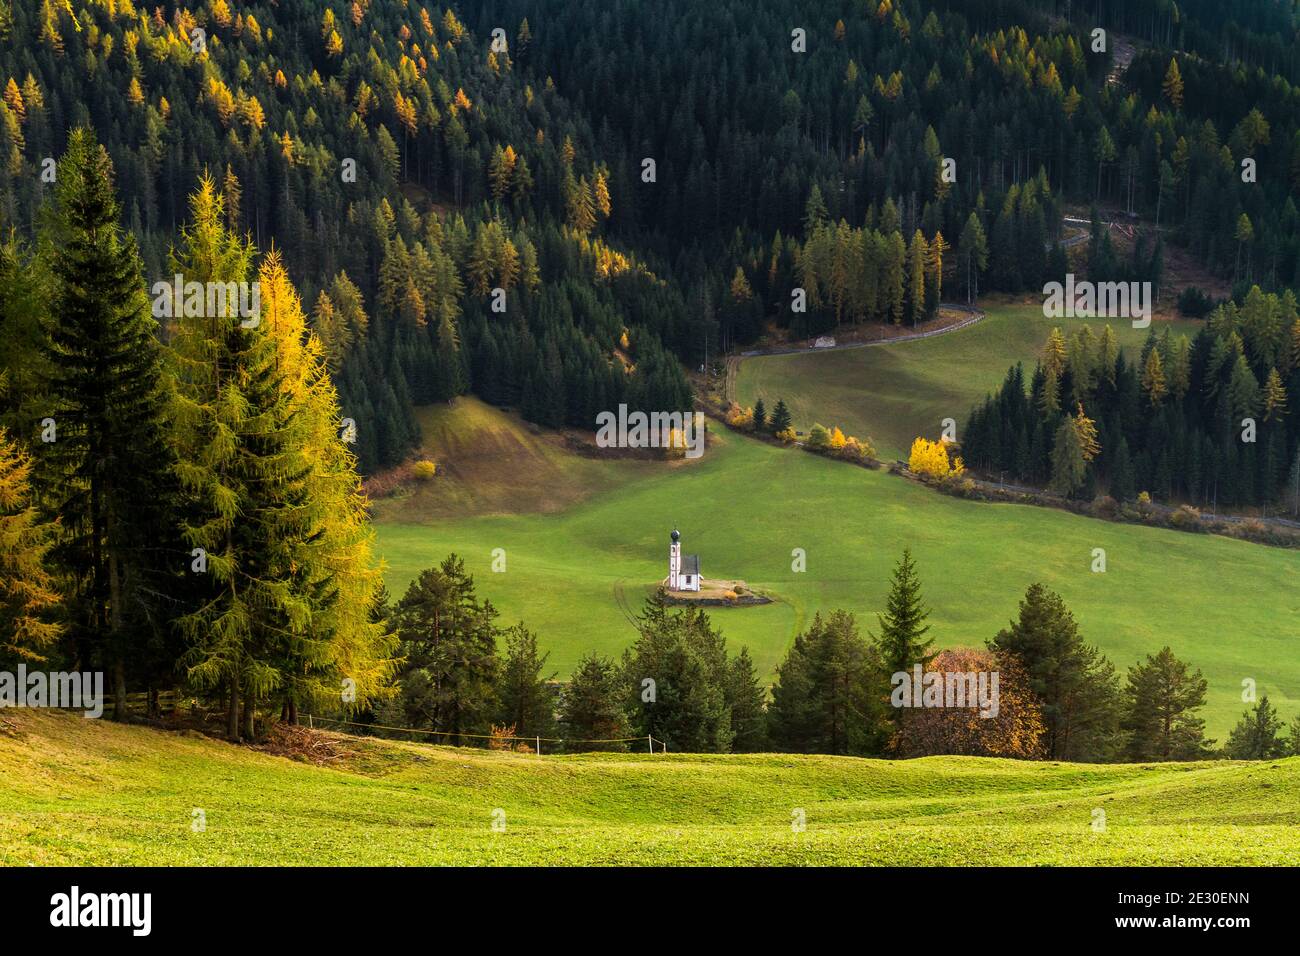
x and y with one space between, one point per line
448 640
1161 698
972 248
826 696
230 444
328 552
1274 396
1257 735
1086 431
917 254
107 473
1075 683
760 416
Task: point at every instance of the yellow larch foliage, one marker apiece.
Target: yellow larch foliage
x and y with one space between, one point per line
931 458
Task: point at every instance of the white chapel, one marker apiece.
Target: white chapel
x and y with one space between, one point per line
683 572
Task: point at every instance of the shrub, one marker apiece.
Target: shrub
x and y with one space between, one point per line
1144 503
819 439
424 470
1104 506
741 418
860 448
675 449
1186 518
1194 303
786 434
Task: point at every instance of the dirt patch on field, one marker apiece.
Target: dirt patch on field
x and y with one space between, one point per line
716 593
324 748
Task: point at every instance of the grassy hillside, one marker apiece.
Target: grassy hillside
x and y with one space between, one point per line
895 392
78 792
1227 606
492 462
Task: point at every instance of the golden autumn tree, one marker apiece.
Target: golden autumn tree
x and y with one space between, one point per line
334 552
13 96
27 592
1173 85
501 170
930 458
1153 378
1015 731
1086 430
600 192
271 497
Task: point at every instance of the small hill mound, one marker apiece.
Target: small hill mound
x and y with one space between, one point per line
490 461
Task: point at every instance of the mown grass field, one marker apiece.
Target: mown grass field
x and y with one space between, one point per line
1230 608
893 393
83 792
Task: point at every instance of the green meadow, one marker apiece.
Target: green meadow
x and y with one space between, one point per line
386 803
1229 607
893 393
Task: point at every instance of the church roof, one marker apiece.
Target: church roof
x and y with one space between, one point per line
690 564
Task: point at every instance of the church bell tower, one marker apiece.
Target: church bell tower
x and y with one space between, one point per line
675 561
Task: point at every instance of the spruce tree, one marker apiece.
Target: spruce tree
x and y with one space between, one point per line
106 474
591 707
780 420
746 699
902 642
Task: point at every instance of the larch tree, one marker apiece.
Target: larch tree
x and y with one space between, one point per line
1173 85
28 594
338 654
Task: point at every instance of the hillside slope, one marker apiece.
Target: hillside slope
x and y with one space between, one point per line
894 393
90 792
